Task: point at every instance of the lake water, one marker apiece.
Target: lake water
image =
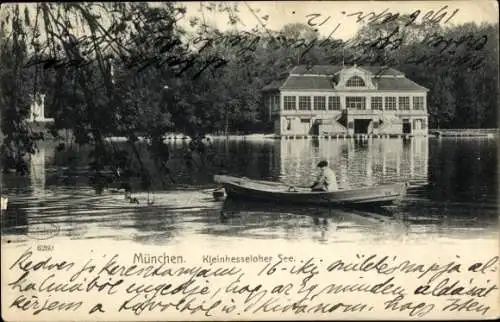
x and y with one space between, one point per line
455 197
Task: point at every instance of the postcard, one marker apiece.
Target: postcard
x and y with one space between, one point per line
207 161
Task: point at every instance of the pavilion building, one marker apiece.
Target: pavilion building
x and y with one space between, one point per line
335 100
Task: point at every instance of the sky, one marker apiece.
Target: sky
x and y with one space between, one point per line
281 13
334 16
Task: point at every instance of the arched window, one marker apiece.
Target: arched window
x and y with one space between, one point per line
355 81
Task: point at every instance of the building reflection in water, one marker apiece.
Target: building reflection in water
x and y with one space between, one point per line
37 169
26 196
356 163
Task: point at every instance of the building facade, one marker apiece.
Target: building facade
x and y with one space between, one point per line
332 100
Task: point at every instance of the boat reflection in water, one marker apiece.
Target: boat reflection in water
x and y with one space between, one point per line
234 207
249 216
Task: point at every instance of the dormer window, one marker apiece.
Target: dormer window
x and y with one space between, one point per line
355 81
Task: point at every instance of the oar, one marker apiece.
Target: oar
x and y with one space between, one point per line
275 184
272 183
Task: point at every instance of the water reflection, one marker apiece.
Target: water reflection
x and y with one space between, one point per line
460 199
369 162
322 224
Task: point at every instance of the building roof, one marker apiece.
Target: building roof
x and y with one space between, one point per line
397 84
308 82
324 77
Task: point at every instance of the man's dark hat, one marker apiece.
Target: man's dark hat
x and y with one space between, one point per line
322 164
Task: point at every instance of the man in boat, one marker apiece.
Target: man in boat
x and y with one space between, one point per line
326 181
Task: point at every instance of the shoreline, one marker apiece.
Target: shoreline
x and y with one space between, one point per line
263 137
432 133
490 133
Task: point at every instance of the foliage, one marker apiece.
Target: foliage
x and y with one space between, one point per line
15 95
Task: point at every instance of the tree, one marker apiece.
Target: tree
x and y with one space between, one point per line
301 37
458 64
15 90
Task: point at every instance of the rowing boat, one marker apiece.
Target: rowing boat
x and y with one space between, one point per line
245 188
